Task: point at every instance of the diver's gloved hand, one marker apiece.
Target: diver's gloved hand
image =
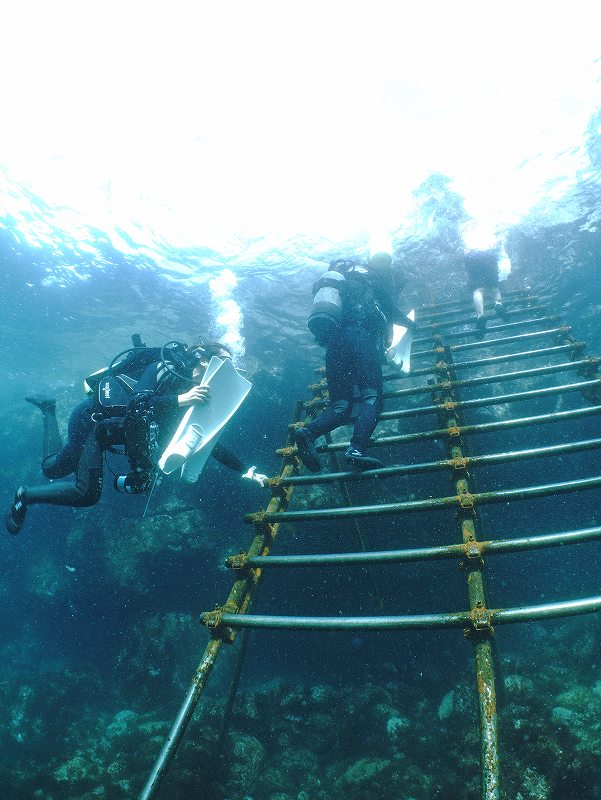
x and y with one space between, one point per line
253 475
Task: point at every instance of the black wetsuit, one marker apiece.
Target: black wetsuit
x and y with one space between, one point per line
482 267
354 362
83 454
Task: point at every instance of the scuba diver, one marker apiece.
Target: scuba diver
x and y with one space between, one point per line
135 405
353 312
482 267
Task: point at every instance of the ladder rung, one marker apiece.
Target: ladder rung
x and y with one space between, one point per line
397 470
456 619
456 502
428 553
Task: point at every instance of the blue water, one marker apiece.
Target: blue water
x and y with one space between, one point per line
101 606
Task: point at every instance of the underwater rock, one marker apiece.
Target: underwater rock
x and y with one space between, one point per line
566 716
154 656
321 495
320 734
273 781
322 694
247 755
79 769
445 709
364 772
579 710
518 686
299 765
391 720
395 725
184 533
121 724
535 786
47 579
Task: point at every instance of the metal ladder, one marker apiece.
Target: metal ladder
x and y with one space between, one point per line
446 327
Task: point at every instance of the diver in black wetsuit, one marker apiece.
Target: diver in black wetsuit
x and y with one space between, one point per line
354 353
160 393
482 267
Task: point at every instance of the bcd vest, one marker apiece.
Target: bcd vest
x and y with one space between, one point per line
344 298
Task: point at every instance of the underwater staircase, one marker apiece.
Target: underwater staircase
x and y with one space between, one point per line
446 341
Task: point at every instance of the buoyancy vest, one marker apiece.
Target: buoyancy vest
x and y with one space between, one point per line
123 410
344 297
113 386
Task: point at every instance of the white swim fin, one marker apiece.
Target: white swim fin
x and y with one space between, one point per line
399 352
201 424
184 447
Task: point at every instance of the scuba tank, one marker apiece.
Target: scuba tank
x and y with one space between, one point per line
345 293
328 299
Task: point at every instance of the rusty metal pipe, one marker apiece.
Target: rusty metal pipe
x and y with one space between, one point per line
456 348
499 399
437 326
487 702
452 551
524 323
182 719
489 343
521 304
239 597
456 502
585 364
567 608
447 463
582 364
456 619
455 306
464 430
492 360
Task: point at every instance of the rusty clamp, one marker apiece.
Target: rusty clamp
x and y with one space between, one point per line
212 620
473 556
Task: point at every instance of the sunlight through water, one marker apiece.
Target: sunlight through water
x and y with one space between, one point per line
193 141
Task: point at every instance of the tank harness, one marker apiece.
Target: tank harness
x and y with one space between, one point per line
344 294
124 418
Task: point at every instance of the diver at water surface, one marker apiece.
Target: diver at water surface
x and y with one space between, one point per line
135 404
355 330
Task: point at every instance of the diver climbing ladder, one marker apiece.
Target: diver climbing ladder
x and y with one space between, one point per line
449 338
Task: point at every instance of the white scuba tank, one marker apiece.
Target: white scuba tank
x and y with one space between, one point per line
326 312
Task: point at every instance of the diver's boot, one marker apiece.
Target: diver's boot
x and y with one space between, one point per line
501 310
480 328
359 461
15 517
305 447
52 442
